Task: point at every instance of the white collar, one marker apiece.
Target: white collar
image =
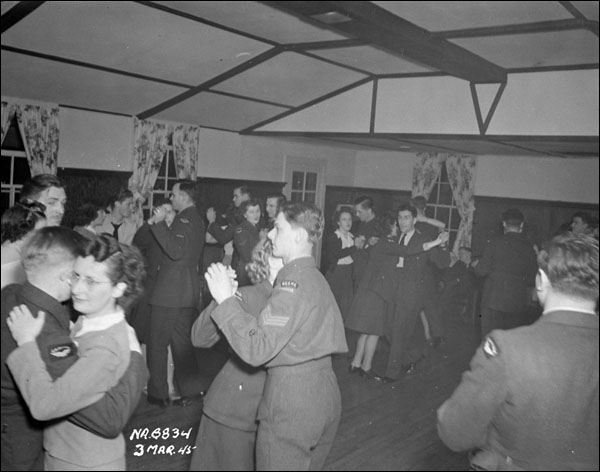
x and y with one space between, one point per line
568 308
99 323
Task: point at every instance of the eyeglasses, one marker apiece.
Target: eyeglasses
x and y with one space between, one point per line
90 283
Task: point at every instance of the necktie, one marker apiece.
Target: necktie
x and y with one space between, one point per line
401 243
402 238
116 230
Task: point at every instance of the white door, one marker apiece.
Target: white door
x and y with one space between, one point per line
305 179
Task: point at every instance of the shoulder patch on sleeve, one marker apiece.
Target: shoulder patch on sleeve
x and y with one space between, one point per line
490 348
61 351
289 284
269 319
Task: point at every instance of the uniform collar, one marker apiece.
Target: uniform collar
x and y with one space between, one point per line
300 263
571 317
50 304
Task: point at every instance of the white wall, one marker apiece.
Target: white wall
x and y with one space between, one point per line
101 141
538 178
105 142
95 140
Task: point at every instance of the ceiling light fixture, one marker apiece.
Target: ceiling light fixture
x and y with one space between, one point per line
331 17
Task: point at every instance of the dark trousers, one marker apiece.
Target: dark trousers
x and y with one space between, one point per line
22 442
406 338
172 326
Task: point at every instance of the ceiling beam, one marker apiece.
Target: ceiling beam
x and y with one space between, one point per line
523 28
17 13
375 25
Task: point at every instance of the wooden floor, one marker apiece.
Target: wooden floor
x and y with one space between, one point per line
383 427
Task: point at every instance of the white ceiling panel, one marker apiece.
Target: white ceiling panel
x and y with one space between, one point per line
219 111
372 59
65 84
257 19
536 50
5 6
134 38
589 9
290 79
443 16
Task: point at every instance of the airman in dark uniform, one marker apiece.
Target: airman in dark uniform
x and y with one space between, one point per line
176 297
530 398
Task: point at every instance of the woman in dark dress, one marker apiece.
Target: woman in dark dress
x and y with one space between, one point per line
340 246
375 295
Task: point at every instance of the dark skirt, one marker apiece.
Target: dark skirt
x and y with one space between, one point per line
340 282
368 314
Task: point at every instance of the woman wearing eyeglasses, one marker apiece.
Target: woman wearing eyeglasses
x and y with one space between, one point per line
105 280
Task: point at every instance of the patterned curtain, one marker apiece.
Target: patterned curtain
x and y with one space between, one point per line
150 146
39 128
8 111
461 174
185 150
425 173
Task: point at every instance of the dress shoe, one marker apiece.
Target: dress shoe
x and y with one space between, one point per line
387 380
163 403
187 401
353 369
370 374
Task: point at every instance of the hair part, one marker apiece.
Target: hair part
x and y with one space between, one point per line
407 207
571 263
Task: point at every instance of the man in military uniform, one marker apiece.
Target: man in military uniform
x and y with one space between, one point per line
176 297
530 398
365 234
294 337
509 265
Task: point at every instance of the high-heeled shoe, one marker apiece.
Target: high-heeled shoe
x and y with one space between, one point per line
353 369
370 374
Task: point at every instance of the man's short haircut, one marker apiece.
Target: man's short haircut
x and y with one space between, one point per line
365 202
281 199
513 217
571 263
586 218
407 207
33 187
124 264
87 213
307 216
50 246
244 190
419 202
188 187
120 197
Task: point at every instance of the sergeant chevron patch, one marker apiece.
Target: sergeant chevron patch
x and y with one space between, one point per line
269 319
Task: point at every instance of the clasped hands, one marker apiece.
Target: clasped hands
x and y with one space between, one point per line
221 280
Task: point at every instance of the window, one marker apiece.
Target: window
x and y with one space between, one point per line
441 205
14 166
304 187
167 176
